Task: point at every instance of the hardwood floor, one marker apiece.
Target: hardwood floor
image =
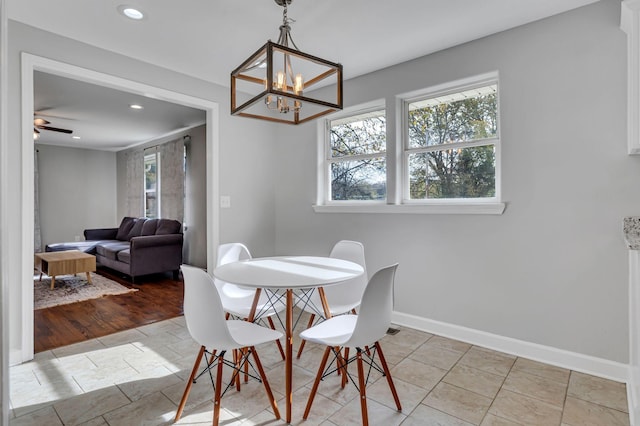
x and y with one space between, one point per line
159 297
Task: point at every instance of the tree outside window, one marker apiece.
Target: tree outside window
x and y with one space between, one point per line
443 157
357 162
451 145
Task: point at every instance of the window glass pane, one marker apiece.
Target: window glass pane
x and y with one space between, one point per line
453 173
151 205
361 134
151 185
459 117
359 180
150 172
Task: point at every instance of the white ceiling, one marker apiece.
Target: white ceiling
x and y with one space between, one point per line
102 117
209 38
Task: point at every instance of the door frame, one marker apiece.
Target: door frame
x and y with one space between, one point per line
31 63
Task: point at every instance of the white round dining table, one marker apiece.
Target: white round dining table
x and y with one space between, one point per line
287 273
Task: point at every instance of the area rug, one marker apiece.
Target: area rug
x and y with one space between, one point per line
71 289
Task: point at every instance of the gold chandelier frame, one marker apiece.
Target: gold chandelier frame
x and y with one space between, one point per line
284 94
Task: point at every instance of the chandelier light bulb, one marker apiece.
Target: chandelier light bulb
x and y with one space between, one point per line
299 84
280 81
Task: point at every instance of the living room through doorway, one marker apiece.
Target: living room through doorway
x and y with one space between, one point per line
161 288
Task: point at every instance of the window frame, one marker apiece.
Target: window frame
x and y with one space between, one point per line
397 200
157 190
444 90
325 160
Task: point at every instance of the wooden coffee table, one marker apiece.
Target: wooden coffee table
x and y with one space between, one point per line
65 263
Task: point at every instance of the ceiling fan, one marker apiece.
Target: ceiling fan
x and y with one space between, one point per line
42 124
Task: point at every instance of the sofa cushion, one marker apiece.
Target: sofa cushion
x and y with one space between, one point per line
168 226
124 228
110 250
136 230
84 246
124 256
150 226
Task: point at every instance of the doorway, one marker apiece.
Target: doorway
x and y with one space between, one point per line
31 63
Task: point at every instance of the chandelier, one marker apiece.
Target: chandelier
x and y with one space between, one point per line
274 83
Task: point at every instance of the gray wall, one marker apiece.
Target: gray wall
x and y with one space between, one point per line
552 269
195 210
246 148
77 191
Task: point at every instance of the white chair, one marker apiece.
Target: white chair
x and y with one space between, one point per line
344 297
238 301
359 332
207 325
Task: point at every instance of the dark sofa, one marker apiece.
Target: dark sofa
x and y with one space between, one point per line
139 246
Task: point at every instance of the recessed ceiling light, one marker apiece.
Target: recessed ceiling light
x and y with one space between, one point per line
75 137
136 106
131 12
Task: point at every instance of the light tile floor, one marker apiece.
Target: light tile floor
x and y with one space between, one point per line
137 377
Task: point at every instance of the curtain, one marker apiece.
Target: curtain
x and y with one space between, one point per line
172 180
171 185
134 205
37 234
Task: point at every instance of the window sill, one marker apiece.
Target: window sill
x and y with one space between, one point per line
441 208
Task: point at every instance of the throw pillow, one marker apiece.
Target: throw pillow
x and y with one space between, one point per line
124 228
137 228
149 227
168 226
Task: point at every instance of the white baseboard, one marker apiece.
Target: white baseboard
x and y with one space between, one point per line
546 354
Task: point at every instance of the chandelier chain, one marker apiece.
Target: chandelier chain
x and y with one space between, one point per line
285 29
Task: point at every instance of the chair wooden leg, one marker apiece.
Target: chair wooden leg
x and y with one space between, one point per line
387 373
273 327
265 382
236 361
216 397
213 358
314 389
243 351
346 365
363 393
185 395
341 364
309 324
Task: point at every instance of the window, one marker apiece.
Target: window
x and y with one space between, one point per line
151 184
441 153
450 145
356 158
